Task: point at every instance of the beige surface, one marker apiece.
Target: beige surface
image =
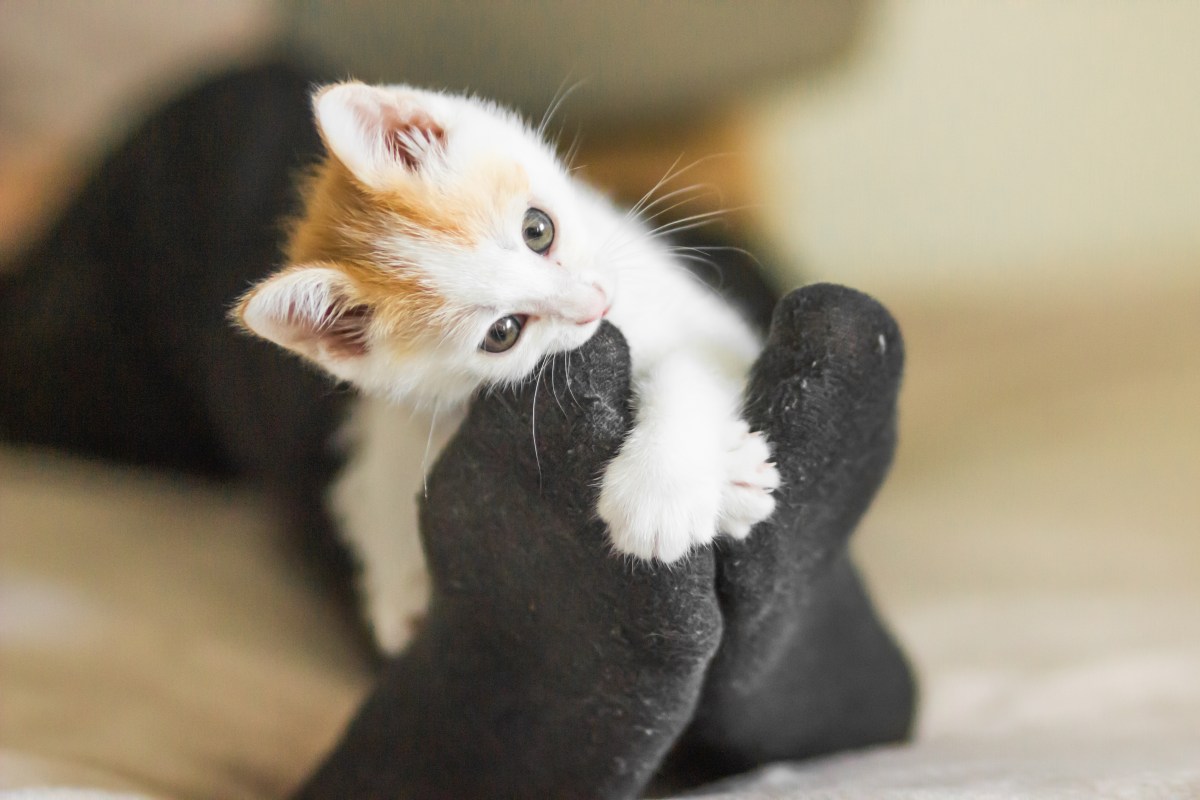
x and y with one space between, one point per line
1038 543
1074 414
153 633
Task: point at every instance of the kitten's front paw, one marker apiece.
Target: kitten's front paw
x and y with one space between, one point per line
654 511
751 478
659 505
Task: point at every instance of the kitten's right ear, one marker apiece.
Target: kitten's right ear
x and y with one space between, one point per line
379 133
311 310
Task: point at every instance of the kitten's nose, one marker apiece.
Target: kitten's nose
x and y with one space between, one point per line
594 306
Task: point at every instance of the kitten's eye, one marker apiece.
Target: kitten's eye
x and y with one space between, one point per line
503 334
538 230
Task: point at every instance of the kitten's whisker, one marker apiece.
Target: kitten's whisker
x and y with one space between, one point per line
666 231
573 151
669 209
570 388
554 386
675 193
696 255
694 221
695 259
428 447
637 207
672 173
702 215
560 96
645 203
533 429
706 248
713 268
537 382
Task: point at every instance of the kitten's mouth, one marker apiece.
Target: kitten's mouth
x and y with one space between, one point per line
581 308
599 309
597 317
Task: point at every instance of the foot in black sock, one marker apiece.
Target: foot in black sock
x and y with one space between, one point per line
547 667
805 667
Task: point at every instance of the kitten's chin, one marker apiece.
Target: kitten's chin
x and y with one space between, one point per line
578 335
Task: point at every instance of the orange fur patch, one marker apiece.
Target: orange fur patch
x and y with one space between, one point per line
343 224
459 214
403 309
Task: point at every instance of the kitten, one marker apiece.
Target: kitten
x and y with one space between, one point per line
442 248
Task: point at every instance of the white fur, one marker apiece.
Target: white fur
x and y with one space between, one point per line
690 468
375 502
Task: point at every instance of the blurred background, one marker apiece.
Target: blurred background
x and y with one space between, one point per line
884 142
1019 182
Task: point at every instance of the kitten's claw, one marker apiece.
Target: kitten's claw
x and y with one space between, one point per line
752 477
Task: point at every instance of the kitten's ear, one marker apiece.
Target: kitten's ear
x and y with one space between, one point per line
310 310
376 132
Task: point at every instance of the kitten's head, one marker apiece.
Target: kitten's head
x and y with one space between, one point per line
442 247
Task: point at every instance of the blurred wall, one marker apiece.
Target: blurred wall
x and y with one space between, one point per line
994 143
76 75
636 63
991 143
72 72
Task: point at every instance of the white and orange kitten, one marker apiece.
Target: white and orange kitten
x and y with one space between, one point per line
443 247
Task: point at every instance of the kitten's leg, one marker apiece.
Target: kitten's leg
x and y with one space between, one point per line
546 668
805 665
375 500
689 469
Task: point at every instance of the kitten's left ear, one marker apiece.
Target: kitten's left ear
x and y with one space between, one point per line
379 133
313 310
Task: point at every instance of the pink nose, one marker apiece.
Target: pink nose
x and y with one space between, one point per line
597 306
